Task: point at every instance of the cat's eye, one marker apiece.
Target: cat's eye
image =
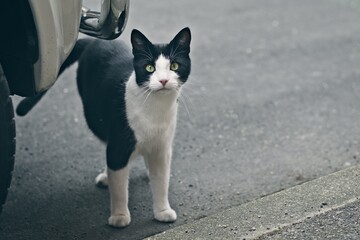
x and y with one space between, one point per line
174 66
150 68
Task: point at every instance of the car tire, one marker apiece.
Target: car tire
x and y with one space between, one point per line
7 138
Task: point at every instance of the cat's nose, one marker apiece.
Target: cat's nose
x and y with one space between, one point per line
163 82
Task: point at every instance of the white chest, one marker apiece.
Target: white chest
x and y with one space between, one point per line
154 120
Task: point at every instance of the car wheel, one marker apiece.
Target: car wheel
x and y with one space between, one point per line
7 138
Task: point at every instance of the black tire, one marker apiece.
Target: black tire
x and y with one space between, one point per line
7 138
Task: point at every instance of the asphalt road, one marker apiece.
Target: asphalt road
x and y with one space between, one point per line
273 101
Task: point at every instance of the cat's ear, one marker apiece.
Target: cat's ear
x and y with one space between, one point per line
139 41
182 39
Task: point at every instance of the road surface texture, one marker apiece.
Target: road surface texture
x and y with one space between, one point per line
324 208
273 101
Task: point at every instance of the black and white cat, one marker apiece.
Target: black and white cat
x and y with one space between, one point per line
130 103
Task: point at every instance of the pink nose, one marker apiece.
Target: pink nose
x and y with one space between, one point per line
163 82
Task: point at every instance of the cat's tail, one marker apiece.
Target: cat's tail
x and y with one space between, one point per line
28 103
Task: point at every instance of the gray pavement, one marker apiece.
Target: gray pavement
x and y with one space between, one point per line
325 208
341 223
273 102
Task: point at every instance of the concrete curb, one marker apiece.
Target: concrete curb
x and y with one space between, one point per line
275 212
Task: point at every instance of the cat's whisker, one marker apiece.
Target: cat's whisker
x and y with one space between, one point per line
177 53
193 80
150 52
146 55
171 51
150 92
193 89
180 98
196 88
187 99
186 108
171 54
143 93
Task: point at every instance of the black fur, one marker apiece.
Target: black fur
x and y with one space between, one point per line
104 68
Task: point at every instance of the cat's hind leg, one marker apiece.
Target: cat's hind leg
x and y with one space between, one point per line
159 173
102 180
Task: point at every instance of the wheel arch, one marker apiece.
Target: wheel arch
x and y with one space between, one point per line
19 48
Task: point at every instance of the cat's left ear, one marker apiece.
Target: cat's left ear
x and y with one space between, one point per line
139 41
182 39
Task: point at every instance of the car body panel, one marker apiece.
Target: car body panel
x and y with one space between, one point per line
57 23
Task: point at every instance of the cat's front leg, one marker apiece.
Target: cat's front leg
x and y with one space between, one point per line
159 173
118 186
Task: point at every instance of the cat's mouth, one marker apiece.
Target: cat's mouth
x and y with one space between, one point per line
164 89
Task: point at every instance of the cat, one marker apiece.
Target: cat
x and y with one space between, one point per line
130 104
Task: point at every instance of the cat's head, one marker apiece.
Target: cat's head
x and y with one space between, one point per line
161 67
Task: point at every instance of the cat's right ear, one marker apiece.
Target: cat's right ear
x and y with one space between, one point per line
139 41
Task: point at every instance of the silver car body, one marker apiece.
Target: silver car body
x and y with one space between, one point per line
58 23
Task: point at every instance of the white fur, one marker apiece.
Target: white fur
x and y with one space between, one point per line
152 116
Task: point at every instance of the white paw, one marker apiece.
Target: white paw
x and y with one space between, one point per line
119 221
167 215
101 180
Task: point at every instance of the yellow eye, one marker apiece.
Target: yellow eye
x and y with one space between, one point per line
150 68
174 66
